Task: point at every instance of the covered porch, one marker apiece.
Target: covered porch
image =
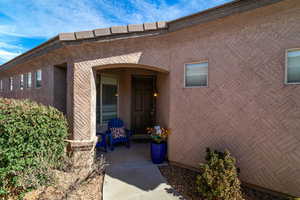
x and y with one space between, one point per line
105 88
140 97
136 94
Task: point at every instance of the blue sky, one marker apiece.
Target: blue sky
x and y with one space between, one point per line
25 24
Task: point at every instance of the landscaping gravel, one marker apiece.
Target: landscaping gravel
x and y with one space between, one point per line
65 189
183 181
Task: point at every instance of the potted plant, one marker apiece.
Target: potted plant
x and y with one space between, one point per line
158 145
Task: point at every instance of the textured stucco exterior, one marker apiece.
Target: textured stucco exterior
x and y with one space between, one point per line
246 107
43 95
60 88
46 63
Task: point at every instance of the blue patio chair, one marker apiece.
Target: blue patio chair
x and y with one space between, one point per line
117 123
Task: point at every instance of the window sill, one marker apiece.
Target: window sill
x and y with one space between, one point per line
190 87
292 83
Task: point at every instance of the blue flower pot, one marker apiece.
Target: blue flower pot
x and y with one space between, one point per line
158 152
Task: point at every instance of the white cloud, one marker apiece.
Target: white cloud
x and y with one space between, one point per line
7 55
9 51
46 18
139 11
4 45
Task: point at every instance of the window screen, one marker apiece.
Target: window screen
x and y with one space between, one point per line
293 66
196 74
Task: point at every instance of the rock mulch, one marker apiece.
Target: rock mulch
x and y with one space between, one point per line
73 184
183 180
259 195
67 188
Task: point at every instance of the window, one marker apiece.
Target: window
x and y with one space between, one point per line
109 99
196 74
38 78
28 80
11 83
21 81
293 66
1 85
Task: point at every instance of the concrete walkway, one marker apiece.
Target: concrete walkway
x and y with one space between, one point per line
132 176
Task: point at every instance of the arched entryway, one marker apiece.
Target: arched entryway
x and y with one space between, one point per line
83 97
138 94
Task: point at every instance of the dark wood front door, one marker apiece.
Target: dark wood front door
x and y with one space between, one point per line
143 103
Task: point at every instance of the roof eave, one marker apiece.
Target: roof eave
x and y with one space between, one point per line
51 40
57 42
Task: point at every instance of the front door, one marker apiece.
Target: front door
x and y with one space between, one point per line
143 103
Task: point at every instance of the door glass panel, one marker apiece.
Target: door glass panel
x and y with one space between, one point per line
109 99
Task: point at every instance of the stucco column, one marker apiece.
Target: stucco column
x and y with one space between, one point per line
81 110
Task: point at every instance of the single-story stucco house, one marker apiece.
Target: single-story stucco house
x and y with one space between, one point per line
224 78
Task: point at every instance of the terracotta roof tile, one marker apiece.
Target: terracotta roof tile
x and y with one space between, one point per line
102 32
84 35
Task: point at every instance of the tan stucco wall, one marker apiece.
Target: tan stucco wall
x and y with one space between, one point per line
162 103
43 95
60 88
246 108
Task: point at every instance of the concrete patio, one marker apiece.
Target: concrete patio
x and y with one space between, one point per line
132 175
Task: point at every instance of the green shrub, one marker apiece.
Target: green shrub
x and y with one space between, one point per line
31 142
219 177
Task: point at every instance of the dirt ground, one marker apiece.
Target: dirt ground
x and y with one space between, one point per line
69 187
183 181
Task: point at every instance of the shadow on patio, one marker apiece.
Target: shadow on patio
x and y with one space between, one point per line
131 175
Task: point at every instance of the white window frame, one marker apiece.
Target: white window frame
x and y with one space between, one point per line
28 80
11 83
184 74
21 81
36 80
286 67
101 83
1 85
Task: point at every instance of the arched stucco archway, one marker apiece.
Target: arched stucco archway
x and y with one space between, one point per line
133 66
81 99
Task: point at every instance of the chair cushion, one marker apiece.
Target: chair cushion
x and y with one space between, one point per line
118 132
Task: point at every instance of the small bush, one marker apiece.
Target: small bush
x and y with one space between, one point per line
219 177
31 142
